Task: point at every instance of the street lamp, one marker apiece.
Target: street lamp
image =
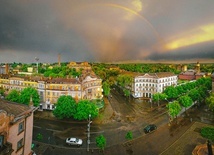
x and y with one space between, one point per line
89 122
37 59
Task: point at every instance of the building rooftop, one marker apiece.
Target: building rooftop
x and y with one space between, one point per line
13 108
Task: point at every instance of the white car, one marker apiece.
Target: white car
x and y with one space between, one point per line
74 141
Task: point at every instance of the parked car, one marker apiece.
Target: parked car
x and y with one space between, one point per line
149 128
74 141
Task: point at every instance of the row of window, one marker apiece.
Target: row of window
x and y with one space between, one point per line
20 129
156 80
154 85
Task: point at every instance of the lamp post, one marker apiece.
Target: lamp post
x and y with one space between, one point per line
88 135
37 59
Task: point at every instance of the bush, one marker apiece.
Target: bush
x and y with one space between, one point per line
208 132
129 135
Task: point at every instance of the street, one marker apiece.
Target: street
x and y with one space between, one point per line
125 117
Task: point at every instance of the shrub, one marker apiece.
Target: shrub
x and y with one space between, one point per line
208 132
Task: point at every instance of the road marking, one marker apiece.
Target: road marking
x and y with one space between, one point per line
53 130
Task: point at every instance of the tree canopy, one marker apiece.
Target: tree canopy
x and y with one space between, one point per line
171 92
210 102
101 142
185 101
106 88
174 108
13 95
84 108
65 107
27 93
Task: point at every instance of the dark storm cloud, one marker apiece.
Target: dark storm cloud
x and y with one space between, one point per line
100 30
32 26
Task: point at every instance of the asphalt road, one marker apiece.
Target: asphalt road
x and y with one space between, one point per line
127 117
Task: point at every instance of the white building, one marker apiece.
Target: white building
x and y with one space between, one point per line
145 85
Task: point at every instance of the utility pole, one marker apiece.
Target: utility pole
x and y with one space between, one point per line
37 59
89 122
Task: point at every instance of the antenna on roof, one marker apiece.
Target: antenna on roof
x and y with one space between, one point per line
37 59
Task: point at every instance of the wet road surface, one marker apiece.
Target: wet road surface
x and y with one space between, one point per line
126 117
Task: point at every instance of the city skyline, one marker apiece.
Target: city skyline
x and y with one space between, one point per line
106 31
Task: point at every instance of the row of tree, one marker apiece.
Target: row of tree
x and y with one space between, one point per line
67 107
24 96
61 72
184 95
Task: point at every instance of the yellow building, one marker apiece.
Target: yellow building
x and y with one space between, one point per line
88 86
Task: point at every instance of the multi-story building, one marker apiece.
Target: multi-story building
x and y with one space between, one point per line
16 128
88 86
91 86
79 65
4 69
192 74
145 85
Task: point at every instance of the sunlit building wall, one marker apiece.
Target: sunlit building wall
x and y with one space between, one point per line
88 86
145 85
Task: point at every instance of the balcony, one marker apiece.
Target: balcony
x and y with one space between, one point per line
6 149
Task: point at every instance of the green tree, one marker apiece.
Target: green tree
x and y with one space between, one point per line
159 96
171 92
13 95
129 135
180 90
194 94
27 93
39 137
124 80
65 107
210 102
84 108
127 92
208 133
101 142
106 88
185 101
2 91
174 109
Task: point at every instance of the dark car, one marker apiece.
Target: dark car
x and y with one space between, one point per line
149 128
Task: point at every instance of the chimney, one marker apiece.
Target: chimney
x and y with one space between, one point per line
6 68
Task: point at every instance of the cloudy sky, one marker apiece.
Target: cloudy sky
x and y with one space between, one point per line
106 30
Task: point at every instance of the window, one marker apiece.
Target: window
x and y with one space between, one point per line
1 141
19 144
21 127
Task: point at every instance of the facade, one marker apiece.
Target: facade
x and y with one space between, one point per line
91 86
88 86
4 69
79 65
145 85
16 128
